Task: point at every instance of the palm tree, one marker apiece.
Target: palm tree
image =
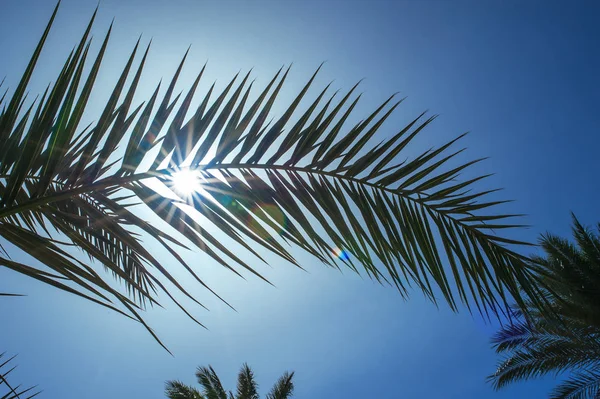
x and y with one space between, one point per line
265 184
536 344
213 389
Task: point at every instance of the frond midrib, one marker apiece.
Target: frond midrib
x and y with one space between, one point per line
121 181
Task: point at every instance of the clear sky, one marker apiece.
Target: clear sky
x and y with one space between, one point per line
522 76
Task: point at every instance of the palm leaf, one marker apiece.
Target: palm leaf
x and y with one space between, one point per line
8 391
579 386
283 388
211 384
313 183
246 386
178 390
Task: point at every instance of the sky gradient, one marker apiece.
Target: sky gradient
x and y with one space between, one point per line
522 77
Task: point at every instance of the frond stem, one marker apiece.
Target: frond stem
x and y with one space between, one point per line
116 181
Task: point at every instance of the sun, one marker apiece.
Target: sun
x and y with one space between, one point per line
186 182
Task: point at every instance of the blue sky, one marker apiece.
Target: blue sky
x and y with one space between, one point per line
521 76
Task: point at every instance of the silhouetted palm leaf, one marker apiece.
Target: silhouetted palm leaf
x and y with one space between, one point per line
536 344
246 387
7 391
211 384
178 390
284 387
579 386
309 182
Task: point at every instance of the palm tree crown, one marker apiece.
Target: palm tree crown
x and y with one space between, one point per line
537 344
212 388
266 184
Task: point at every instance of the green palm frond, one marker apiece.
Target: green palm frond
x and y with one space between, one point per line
211 384
578 386
309 182
246 386
178 390
541 358
284 387
8 391
536 343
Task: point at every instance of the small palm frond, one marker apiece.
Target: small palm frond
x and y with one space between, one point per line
283 388
512 336
540 358
178 390
246 386
311 183
584 385
8 391
211 384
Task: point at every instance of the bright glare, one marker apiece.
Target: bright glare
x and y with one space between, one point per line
186 182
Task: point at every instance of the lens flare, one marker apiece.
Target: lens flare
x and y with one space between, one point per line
341 254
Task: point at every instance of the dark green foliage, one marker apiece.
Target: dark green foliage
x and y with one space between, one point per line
213 389
178 390
312 183
537 344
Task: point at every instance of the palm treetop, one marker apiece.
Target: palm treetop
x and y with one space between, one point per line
272 183
247 388
536 343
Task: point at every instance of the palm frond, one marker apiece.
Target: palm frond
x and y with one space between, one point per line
210 382
578 386
283 388
8 391
543 358
246 386
178 390
312 183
